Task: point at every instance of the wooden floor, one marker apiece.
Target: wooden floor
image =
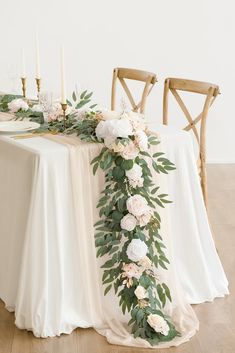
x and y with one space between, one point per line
217 319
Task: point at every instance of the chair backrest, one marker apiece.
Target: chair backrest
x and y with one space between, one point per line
122 74
208 89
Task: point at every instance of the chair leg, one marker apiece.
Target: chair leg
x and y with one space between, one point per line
204 182
203 177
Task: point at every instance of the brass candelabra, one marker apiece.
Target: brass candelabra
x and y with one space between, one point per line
64 108
23 80
38 83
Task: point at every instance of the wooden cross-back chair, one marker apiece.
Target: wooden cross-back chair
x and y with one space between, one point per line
122 74
210 91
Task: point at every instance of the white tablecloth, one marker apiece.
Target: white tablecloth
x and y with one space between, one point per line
49 274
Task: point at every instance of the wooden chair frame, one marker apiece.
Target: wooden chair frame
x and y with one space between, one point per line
210 91
132 74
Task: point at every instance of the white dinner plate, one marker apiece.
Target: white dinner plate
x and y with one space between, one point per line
17 126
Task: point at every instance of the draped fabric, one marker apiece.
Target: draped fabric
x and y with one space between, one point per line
49 274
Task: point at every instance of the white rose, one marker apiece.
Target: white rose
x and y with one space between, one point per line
135 172
101 130
140 292
137 205
145 218
16 104
136 250
130 151
109 114
145 262
128 222
119 128
158 323
134 176
114 128
37 108
142 140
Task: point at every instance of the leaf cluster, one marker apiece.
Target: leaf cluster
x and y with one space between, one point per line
112 241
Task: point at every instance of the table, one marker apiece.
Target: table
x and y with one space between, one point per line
49 274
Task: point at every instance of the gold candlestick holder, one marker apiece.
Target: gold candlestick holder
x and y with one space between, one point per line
64 108
38 83
23 80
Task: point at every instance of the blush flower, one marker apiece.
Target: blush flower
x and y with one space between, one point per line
145 218
16 104
109 141
145 262
137 121
130 151
128 222
55 113
137 205
131 270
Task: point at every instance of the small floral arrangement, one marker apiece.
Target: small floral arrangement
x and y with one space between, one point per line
49 115
20 108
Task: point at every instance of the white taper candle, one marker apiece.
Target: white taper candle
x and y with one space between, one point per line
63 86
23 72
38 71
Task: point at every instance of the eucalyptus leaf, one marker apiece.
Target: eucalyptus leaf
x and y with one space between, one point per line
83 94
74 96
118 173
107 289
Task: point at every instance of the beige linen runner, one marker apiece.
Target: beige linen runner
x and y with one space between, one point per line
104 312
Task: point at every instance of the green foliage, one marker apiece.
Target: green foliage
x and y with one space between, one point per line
85 129
79 101
111 241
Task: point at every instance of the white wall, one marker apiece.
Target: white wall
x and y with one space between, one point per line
181 38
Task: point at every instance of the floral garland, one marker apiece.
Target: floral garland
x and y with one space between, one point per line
128 231
127 234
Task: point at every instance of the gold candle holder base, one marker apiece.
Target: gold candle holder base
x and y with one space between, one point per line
38 83
64 108
23 80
